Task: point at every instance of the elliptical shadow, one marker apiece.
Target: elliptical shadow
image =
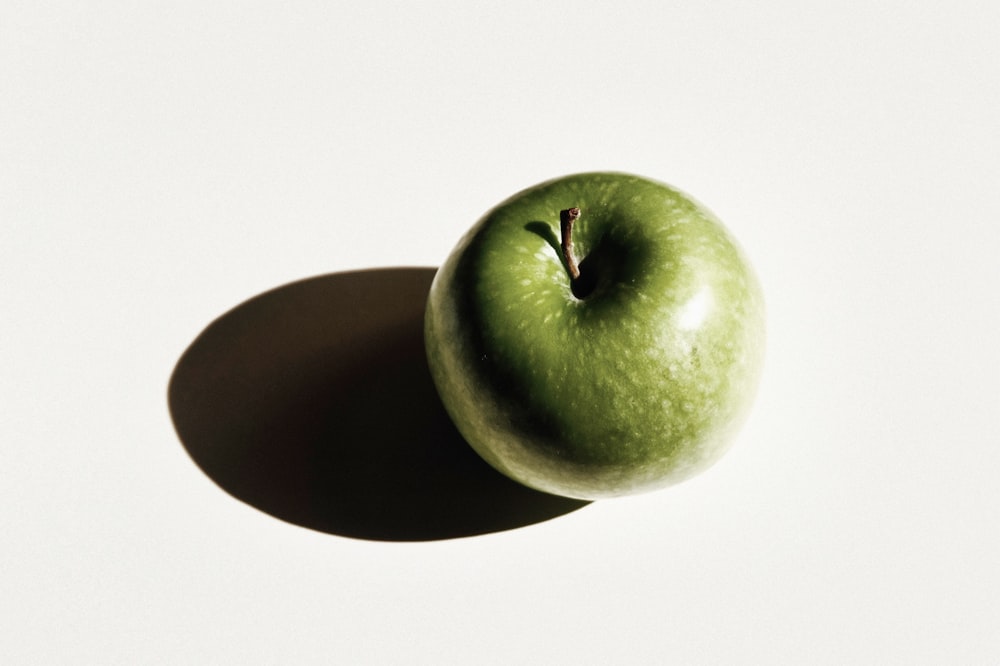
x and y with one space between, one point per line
313 403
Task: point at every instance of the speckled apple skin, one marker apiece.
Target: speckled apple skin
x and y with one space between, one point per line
639 385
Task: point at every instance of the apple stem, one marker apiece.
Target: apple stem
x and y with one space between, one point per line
566 219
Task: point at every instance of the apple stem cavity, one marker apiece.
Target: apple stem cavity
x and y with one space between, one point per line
566 219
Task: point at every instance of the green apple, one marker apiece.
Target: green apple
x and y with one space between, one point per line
597 335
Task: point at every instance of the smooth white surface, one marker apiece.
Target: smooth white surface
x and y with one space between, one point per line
161 163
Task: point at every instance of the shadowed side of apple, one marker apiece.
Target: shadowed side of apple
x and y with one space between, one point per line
314 403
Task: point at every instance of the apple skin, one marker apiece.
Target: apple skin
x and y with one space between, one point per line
640 384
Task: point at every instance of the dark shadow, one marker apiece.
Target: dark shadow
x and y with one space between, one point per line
314 404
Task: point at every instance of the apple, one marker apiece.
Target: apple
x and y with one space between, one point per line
597 335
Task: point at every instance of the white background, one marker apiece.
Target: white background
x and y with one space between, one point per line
163 162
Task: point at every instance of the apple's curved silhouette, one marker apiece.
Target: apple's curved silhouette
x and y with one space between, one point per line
313 403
